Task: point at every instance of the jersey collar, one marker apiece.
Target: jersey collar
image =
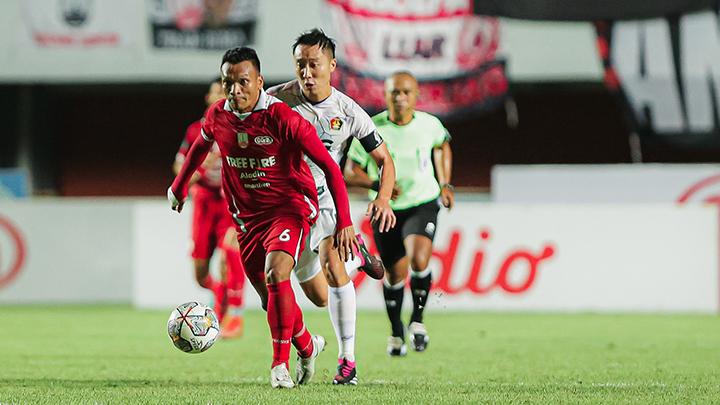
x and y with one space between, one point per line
305 99
263 103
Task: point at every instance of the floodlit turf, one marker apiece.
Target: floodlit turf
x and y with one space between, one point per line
118 355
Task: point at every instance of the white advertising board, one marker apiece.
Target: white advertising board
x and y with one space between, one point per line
655 258
582 257
65 251
611 183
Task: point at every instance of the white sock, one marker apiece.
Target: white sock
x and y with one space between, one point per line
420 274
341 305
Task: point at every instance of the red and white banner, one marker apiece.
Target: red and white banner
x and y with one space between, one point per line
449 49
432 39
77 23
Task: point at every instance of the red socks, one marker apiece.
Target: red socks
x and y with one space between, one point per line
210 283
286 324
302 339
281 318
235 278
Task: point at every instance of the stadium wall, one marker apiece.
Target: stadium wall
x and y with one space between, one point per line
617 183
540 257
112 41
65 251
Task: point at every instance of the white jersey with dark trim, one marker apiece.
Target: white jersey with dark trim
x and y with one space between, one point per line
337 120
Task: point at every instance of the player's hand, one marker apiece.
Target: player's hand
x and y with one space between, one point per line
447 197
346 243
175 203
379 210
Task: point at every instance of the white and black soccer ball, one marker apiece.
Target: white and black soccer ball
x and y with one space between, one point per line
193 327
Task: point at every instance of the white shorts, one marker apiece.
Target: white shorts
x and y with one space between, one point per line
308 265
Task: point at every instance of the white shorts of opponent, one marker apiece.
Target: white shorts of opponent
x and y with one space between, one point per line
308 265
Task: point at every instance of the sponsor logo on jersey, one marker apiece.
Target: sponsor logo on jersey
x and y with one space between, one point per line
252 175
242 138
257 185
263 140
336 123
250 162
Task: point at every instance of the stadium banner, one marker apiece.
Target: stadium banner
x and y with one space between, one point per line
76 24
666 76
65 251
278 23
609 183
450 50
588 10
199 24
605 258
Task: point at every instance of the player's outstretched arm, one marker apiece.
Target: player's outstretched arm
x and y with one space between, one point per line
379 209
196 155
442 157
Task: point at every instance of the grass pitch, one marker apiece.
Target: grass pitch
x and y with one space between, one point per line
114 354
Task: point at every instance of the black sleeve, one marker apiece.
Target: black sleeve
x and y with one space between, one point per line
371 141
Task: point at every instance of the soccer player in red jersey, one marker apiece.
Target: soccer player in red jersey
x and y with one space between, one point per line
210 223
271 193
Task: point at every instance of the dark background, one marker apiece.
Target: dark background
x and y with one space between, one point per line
98 140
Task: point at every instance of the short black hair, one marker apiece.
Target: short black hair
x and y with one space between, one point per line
217 80
241 54
317 37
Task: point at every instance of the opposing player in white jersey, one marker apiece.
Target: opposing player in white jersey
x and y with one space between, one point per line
337 119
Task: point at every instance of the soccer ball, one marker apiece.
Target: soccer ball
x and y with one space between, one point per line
193 327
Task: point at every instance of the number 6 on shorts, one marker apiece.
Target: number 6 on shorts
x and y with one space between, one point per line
285 235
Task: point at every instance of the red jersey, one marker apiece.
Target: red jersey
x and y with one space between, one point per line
262 152
210 179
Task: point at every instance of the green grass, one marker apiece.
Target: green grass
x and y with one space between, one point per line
119 355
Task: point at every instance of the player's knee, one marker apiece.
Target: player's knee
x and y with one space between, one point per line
330 277
396 273
419 263
276 275
335 273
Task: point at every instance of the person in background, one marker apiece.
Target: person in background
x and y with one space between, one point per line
413 138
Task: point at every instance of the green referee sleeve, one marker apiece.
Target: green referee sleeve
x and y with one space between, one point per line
358 154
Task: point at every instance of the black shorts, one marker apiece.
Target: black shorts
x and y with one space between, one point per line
418 220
